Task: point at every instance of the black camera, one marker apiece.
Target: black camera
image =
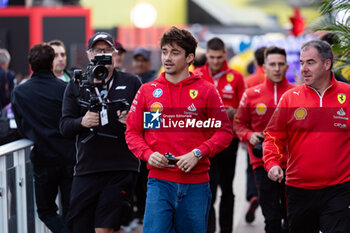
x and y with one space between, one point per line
258 149
171 159
95 73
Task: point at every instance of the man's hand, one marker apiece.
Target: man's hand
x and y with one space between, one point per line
276 174
187 161
122 116
255 139
90 119
231 112
158 160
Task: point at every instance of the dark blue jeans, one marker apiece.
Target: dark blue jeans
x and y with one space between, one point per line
174 207
48 181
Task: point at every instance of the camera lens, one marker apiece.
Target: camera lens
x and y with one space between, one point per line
100 72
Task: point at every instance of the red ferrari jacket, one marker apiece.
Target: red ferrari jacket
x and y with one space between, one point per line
178 118
229 82
313 131
256 108
257 78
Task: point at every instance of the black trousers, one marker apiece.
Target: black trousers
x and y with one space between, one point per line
48 180
251 184
222 172
326 210
272 200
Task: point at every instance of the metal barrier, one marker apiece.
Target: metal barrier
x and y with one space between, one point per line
17 205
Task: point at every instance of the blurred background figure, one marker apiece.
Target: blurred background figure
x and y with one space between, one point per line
259 75
119 57
7 78
60 61
332 39
141 65
8 128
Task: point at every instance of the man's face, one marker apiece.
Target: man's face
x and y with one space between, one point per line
60 61
174 59
313 69
102 47
140 65
275 67
216 59
118 60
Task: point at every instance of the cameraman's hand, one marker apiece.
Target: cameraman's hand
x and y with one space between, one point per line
276 174
255 139
187 161
122 116
90 119
158 160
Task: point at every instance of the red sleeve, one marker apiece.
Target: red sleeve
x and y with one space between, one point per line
222 137
134 128
276 136
240 87
242 120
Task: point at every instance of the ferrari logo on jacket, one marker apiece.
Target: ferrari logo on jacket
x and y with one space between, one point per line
193 93
341 98
230 77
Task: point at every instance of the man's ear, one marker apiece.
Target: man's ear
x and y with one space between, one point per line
328 64
190 58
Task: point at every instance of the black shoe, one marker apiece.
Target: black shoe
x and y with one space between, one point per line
250 215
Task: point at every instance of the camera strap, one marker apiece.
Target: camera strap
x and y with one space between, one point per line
103 112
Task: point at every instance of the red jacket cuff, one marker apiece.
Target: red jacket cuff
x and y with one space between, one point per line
146 154
204 149
269 164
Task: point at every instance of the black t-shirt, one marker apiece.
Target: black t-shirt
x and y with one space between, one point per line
105 148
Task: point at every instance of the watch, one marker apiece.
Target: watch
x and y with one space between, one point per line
197 153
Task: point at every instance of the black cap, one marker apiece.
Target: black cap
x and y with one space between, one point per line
143 52
100 36
119 46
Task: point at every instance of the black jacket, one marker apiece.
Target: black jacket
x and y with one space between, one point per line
100 153
37 106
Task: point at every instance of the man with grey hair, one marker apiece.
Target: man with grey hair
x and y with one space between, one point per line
105 172
311 127
7 78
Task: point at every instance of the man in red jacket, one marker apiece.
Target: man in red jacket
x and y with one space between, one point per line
256 108
310 128
181 114
230 85
259 76
253 80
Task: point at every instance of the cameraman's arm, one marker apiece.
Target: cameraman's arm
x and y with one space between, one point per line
70 123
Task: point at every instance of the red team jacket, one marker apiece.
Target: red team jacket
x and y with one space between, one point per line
229 82
316 130
256 108
257 78
190 114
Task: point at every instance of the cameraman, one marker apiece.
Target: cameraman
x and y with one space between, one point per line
255 110
106 169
